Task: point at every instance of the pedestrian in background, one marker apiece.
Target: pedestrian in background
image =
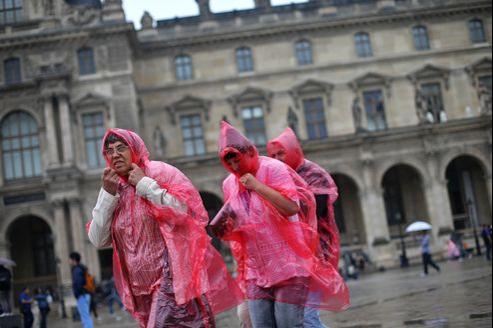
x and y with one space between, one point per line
25 302
426 254
486 234
5 286
81 294
112 296
43 305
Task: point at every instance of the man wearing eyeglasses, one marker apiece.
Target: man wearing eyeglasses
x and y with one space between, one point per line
165 268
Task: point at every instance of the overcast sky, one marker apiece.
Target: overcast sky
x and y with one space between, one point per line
161 9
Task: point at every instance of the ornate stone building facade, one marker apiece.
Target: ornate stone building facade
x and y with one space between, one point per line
393 97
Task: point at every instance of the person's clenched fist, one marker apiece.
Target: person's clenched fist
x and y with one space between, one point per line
249 182
135 175
110 180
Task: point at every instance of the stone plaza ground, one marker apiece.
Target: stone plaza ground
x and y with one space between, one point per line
460 296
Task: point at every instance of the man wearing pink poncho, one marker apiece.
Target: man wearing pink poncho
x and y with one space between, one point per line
269 220
165 269
287 149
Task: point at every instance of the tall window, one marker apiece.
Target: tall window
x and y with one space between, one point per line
476 31
421 38
375 110
304 53
193 135
363 45
10 11
315 118
20 146
433 95
12 71
94 129
183 68
244 60
87 65
253 120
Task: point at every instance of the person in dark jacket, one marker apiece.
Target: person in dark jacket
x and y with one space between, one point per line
81 295
43 305
25 301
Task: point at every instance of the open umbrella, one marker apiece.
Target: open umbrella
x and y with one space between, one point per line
418 226
6 262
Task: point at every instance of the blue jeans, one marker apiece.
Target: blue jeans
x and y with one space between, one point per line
312 319
268 314
83 305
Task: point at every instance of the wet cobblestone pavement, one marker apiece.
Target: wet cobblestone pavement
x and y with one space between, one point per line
461 296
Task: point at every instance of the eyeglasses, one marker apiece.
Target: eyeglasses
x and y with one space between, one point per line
120 150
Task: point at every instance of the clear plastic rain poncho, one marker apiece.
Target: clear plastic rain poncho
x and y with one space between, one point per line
272 249
320 183
196 268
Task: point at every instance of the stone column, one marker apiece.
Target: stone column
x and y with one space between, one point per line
50 133
77 227
487 179
65 127
438 203
375 221
61 243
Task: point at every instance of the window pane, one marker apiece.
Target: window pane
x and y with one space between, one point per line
91 154
8 166
28 165
37 162
247 113
375 110
94 130
187 133
87 64
189 149
17 159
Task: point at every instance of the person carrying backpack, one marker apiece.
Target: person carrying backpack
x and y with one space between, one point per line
43 305
81 282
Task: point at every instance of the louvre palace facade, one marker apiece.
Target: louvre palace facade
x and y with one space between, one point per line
393 97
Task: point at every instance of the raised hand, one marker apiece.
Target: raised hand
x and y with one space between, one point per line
250 182
110 180
135 175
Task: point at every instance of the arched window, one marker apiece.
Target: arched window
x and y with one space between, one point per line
304 53
87 65
12 71
363 45
421 38
20 146
244 60
476 31
183 68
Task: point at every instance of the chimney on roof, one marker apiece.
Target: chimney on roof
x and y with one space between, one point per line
204 8
262 4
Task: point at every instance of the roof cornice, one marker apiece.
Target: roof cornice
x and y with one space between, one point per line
63 35
258 32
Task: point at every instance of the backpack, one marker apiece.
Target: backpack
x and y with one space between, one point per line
90 286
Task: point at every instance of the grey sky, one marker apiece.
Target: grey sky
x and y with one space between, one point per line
161 9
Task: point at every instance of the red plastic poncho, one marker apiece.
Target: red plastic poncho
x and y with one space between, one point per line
197 268
320 183
270 248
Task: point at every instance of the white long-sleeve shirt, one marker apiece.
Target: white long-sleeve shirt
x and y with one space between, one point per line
102 214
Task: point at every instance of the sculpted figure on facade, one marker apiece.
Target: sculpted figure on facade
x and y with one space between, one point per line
357 115
421 107
484 94
159 142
